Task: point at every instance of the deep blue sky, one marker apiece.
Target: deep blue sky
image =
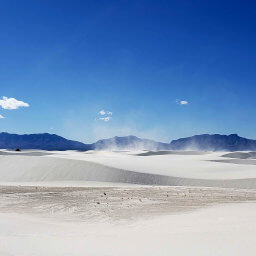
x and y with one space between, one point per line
138 59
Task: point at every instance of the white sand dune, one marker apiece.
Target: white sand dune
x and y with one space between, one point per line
190 169
195 165
105 216
217 231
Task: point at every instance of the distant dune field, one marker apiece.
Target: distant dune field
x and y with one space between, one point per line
174 168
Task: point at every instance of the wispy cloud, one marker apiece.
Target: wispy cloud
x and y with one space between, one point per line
1 117
182 102
105 119
106 115
103 113
12 103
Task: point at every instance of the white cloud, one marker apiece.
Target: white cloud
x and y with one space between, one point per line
182 102
1 117
102 112
106 115
12 103
105 119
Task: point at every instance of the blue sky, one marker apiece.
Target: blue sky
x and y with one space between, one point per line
68 60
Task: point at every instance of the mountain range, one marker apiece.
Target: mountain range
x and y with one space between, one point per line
43 141
204 142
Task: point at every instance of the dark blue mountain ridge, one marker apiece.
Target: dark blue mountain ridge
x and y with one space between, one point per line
44 141
205 142
214 142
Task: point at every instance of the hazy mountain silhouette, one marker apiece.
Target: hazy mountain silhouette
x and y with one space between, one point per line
205 142
129 143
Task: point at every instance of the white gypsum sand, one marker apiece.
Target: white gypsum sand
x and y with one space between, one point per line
126 221
227 230
177 168
185 164
114 204
93 203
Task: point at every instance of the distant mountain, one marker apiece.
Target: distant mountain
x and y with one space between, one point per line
215 142
129 143
205 142
43 141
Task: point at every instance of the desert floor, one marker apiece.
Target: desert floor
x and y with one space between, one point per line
127 203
